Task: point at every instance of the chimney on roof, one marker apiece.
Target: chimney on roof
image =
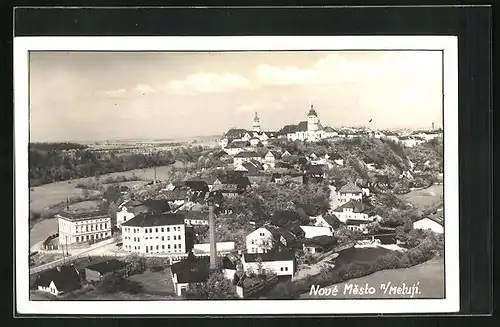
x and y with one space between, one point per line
433 126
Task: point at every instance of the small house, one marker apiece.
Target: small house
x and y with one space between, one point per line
59 280
281 263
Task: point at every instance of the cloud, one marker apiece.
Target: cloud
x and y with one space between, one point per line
262 107
144 89
343 68
209 83
120 93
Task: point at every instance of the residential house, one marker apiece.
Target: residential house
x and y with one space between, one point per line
97 271
335 157
58 280
352 210
319 244
313 231
246 156
254 141
272 157
269 238
129 209
197 186
251 166
80 228
176 197
155 233
189 271
229 266
233 149
285 153
349 192
315 173
231 182
260 240
358 225
428 224
195 217
283 218
281 263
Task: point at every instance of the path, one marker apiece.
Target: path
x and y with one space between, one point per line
76 253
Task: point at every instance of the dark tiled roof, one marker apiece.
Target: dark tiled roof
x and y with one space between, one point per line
288 129
197 185
276 154
107 266
358 207
157 206
356 222
323 241
198 215
252 167
332 220
151 220
84 215
235 133
350 187
282 217
312 112
66 278
247 154
228 263
302 126
270 256
191 270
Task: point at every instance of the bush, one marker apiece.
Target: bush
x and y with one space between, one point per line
114 284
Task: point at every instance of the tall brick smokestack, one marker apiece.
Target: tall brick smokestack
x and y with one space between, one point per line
213 244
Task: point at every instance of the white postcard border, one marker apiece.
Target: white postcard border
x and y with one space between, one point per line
22 46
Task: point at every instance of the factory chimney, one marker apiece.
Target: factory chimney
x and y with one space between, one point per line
433 126
211 231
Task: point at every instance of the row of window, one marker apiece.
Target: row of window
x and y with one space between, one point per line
137 239
91 237
102 226
150 230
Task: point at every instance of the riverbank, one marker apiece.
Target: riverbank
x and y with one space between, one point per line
428 275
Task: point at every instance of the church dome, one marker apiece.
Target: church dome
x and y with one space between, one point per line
312 112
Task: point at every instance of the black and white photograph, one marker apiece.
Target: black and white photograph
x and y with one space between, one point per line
236 172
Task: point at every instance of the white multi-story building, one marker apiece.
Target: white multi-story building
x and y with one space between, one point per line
155 233
260 240
352 210
79 228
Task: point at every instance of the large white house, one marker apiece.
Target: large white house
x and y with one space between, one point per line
428 224
155 233
353 210
259 241
246 156
281 263
349 192
80 228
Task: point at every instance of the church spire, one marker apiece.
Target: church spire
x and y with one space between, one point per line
256 123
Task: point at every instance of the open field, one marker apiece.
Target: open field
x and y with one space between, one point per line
84 206
42 229
44 196
425 198
429 275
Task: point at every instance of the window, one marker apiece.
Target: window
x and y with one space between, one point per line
281 268
253 242
151 247
163 247
168 246
286 268
162 229
168 238
179 237
150 230
145 230
175 246
168 229
180 246
157 248
175 237
78 239
156 237
156 230
163 238
261 234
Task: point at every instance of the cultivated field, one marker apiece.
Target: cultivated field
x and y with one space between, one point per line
429 275
44 196
425 198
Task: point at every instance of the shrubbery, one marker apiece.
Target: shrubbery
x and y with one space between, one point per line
114 284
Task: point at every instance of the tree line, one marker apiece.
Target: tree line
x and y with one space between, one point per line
52 162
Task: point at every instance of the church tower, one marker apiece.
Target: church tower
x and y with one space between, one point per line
256 124
312 120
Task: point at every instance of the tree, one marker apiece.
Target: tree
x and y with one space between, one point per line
216 287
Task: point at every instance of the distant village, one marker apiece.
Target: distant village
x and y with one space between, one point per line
165 226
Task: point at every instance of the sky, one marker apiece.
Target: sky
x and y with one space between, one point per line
91 96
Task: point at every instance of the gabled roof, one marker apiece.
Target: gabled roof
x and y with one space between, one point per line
235 133
350 187
275 153
288 129
107 266
65 278
329 129
270 256
197 215
356 206
252 167
74 216
322 241
155 206
332 220
247 154
152 220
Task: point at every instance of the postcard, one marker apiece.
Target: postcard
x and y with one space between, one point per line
249 175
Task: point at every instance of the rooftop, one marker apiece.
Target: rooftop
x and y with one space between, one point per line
350 187
358 207
66 278
270 256
151 220
74 216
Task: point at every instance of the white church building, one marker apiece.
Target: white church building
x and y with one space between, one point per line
310 130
